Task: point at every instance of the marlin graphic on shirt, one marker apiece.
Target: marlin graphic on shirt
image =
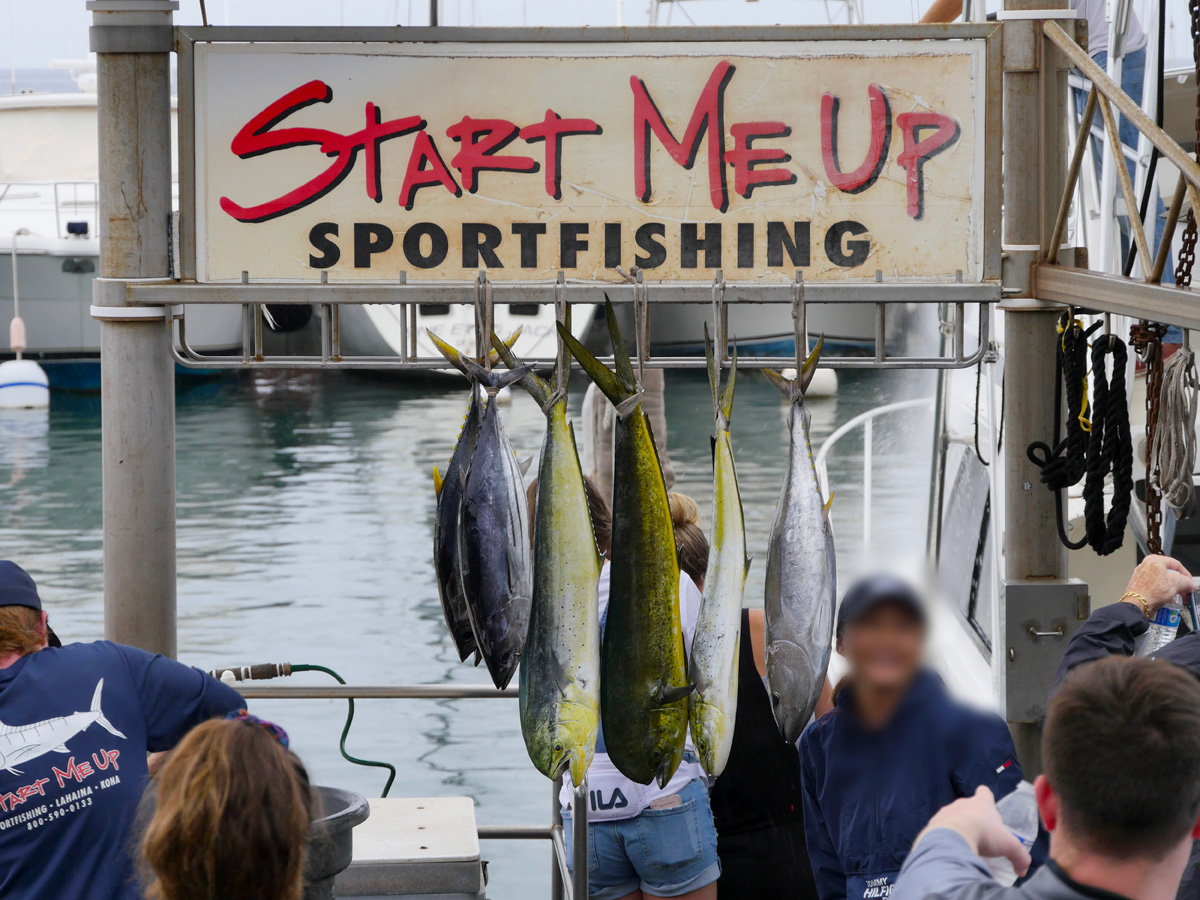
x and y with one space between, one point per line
21 743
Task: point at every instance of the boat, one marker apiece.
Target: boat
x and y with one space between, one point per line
50 242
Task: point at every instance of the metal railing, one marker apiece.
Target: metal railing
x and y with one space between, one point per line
567 882
866 421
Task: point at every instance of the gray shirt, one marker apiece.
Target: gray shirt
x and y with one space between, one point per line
942 866
1096 13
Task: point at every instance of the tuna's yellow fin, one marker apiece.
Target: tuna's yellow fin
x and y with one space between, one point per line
828 505
437 481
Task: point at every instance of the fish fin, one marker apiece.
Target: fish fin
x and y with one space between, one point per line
674 694
603 377
62 748
538 387
561 678
490 378
462 477
104 723
726 403
712 447
453 356
562 365
494 355
437 481
722 398
524 464
478 657
828 505
810 366
620 353
749 560
786 386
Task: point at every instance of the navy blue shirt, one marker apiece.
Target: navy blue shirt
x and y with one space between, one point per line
75 726
867 794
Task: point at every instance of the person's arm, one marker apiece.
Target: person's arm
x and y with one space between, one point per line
175 698
942 11
1113 630
828 874
947 857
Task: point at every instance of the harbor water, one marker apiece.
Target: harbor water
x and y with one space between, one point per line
305 521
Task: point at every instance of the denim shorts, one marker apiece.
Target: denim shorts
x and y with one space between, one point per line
665 852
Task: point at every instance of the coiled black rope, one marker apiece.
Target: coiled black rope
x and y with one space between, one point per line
1110 449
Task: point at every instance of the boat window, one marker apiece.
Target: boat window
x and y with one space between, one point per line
434 309
523 309
964 559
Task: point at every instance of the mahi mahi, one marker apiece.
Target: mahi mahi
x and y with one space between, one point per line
713 666
560 668
643 671
801 574
493 532
446 563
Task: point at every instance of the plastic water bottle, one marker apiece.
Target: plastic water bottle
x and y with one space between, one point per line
1164 625
1020 813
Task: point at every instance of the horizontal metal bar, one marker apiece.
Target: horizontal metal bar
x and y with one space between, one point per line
515 832
463 292
375 692
355 35
1115 294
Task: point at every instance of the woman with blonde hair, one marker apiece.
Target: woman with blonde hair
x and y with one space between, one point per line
231 818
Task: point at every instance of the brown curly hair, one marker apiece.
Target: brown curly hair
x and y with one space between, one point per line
231 818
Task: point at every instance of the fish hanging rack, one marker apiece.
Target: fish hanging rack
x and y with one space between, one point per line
328 298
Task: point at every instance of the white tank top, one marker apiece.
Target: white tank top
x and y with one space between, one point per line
613 795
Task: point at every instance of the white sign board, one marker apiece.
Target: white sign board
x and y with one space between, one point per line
440 159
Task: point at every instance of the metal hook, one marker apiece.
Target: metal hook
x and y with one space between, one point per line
720 315
800 321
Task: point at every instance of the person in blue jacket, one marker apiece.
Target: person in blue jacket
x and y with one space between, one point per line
76 724
893 751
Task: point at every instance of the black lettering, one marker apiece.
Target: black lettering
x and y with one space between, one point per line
528 232
797 244
438 245
690 244
480 240
570 243
370 238
649 238
745 245
330 251
612 244
855 253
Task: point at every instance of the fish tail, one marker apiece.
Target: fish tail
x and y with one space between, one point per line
537 386
722 399
620 353
794 388
459 360
99 715
490 378
615 387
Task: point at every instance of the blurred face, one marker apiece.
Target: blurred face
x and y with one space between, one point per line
883 647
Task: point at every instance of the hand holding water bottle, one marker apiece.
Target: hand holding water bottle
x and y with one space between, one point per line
1156 582
979 822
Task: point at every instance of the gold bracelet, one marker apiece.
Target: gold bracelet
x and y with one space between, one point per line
1140 599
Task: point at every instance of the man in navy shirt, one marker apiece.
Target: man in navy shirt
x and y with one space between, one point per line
76 723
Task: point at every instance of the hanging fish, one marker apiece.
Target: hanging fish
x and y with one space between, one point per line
801 574
643 672
713 664
446 563
560 668
493 531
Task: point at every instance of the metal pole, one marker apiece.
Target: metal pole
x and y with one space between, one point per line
556 880
133 43
1034 175
433 12
868 447
579 843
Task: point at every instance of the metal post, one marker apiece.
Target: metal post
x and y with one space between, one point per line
133 42
556 879
433 12
1035 93
579 843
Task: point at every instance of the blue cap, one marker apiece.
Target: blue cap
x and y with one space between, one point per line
868 593
17 588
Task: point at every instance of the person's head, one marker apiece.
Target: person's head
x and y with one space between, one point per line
601 516
690 543
22 621
1121 754
231 818
881 632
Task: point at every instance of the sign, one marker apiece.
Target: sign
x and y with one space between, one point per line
440 159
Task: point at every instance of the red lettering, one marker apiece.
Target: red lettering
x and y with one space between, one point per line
552 130
77 771
482 140
708 116
105 759
917 151
416 176
746 159
9 800
881 138
259 136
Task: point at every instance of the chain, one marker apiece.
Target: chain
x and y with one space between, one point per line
1146 338
1187 253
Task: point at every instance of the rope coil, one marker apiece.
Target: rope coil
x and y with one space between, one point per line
1173 453
1110 450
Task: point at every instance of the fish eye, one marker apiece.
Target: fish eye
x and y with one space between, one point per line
558 748
656 754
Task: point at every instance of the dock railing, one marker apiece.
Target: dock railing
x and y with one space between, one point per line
567 882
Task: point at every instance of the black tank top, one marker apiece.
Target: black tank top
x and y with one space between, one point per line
760 787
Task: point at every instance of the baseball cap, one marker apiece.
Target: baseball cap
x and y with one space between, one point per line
868 593
16 587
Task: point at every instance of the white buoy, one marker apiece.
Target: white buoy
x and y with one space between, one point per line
824 382
23 385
